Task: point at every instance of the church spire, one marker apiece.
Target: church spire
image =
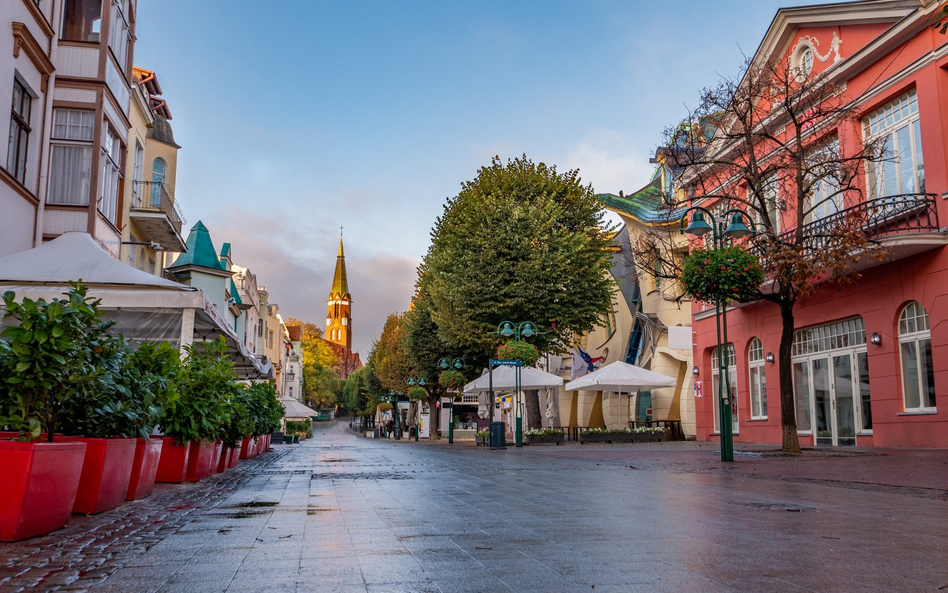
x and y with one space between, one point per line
340 283
339 313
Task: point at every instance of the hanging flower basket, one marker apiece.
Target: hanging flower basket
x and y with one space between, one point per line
519 350
416 393
723 275
451 380
385 407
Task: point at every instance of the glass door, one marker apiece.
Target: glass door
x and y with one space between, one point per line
844 429
822 398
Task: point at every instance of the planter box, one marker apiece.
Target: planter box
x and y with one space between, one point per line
617 437
214 465
144 468
106 471
553 439
173 465
40 482
245 448
482 441
200 458
233 457
649 437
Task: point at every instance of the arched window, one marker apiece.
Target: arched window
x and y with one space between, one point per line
715 388
915 351
758 380
159 170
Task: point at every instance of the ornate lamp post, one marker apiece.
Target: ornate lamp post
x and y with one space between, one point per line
719 234
420 383
445 363
506 329
392 398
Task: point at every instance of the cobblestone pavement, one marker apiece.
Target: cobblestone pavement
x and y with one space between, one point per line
343 513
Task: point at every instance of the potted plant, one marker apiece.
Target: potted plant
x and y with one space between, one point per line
238 425
39 352
192 421
536 436
482 438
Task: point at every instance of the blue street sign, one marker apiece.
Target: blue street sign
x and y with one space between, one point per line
505 363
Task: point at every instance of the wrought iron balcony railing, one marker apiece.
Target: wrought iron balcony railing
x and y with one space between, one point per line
880 217
153 196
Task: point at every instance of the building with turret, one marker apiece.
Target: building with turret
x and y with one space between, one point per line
339 317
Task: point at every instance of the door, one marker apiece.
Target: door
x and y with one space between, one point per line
834 398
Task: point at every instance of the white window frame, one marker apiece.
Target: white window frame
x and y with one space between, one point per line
120 34
914 329
72 128
888 121
111 174
757 380
138 174
716 400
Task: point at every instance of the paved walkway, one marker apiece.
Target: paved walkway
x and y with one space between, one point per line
343 513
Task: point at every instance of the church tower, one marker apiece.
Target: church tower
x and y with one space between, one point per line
339 315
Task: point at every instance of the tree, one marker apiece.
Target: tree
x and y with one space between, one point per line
769 142
320 382
389 358
520 242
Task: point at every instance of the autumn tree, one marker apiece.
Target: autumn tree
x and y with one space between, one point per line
520 242
785 147
321 385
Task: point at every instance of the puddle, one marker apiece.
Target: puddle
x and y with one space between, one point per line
313 511
788 508
254 505
361 476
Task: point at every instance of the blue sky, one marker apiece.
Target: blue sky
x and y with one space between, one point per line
305 115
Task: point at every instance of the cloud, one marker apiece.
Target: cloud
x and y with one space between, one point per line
299 278
611 161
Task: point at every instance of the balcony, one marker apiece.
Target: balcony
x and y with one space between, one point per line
154 213
903 225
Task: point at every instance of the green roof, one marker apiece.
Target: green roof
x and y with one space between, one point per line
225 250
234 294
340 283
201 252
648 205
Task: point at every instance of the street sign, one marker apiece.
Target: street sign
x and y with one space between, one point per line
506 363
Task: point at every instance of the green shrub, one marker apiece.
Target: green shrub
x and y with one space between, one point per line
201 408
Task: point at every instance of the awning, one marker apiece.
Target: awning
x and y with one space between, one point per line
620 377
145 307
294 409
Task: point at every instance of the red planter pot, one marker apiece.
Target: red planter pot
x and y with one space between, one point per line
214 466
255 447
233 457
223 462
106 471
245 451
144 468
200 459
173 465
40 482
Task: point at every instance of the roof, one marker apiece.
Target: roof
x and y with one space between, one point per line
160 130
234 293
74 256
295 332
647 205
201 252
340 283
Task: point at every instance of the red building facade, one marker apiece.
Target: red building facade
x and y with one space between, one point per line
870 359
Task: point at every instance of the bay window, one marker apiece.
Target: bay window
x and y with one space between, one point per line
111 174
71 166
119 33
82 20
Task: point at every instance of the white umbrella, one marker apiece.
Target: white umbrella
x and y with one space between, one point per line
295 409
503 380
620 377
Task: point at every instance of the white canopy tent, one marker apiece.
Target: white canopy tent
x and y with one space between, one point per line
294 410
504 380
145 307
620 377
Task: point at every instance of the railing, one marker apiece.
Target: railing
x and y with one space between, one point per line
153 196
891 215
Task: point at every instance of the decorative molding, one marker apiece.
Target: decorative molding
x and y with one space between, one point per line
24 41
40 18
813 42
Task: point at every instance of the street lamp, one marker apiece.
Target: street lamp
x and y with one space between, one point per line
392 398
506 329
420 383
719 234
445 363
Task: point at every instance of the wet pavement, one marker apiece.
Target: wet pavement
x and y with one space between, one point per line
344 513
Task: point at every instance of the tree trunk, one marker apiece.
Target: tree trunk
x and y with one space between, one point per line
434 416
532 400
788 419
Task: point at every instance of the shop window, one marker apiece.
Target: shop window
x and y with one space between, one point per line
915 352
758 380
731 364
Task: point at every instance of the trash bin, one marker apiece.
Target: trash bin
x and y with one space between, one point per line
497 431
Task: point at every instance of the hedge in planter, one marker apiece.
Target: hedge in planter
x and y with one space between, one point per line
544 435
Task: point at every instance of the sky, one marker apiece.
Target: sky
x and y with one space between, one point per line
297 117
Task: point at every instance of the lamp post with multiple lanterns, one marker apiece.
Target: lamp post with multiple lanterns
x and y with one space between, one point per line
699 227
457 364
420 383
507 329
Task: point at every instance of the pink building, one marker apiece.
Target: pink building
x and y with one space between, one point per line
870 360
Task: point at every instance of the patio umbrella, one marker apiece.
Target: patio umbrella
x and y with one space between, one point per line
620 377
530 378
295 409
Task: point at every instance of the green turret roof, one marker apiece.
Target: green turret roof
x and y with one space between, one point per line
649 204
340 284
201 252
234 294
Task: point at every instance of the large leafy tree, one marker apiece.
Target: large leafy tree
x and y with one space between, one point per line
321 384
520 242
389 356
